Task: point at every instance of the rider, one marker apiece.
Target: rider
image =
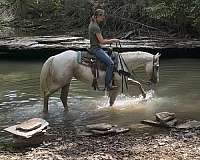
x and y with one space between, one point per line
96 40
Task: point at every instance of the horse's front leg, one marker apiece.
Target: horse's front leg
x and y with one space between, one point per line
113 95
64 95
139 85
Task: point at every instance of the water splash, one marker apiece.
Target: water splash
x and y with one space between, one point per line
124 102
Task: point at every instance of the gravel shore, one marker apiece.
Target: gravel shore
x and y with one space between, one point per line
168 145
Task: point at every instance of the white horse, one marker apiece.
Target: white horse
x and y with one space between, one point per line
58 71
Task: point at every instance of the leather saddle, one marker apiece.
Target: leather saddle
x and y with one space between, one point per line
86 58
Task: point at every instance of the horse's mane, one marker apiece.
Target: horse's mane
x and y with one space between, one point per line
137 58
137 54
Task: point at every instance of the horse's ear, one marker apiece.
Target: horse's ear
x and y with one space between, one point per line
157 55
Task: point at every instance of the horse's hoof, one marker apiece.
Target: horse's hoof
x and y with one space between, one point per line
144 95
44 113
66 109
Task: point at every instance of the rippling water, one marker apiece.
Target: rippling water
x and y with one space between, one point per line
178 92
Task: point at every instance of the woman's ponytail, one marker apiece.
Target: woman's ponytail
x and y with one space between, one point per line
93 19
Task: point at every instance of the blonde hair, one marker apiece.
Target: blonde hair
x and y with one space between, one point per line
97 12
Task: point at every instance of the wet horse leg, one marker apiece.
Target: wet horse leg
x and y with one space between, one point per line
64 95
46 100
139 85
113 95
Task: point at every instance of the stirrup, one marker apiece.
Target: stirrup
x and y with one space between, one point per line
113 87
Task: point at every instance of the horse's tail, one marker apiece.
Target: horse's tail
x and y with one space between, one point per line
45 76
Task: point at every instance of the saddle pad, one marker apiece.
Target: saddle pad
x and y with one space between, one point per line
85 58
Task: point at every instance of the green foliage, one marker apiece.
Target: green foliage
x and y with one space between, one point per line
33 8
77 12
123 15
49 7
183 14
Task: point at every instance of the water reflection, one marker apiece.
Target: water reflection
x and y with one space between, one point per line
178 92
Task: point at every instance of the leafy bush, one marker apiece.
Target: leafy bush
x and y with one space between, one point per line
182 14
123 15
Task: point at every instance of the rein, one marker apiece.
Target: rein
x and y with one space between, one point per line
124 75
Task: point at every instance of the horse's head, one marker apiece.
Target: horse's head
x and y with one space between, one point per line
152 69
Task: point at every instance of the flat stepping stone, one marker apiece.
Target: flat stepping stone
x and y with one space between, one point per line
122 130
168 120
110 131
104 129
165 116
100 126
29 125
151 123
101 132
28 128
171 123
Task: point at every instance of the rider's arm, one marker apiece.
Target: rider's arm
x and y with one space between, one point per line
105 41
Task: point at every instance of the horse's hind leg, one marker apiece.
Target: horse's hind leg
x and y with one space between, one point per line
64 95
46 100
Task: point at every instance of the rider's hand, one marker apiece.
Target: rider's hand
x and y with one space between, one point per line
115 40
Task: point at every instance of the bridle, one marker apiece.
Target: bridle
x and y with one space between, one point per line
131 74
155 68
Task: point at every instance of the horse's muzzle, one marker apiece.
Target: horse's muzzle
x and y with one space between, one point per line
154 80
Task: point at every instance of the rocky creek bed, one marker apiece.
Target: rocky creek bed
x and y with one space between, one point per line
166 144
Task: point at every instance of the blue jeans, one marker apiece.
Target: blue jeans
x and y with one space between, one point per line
103 57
